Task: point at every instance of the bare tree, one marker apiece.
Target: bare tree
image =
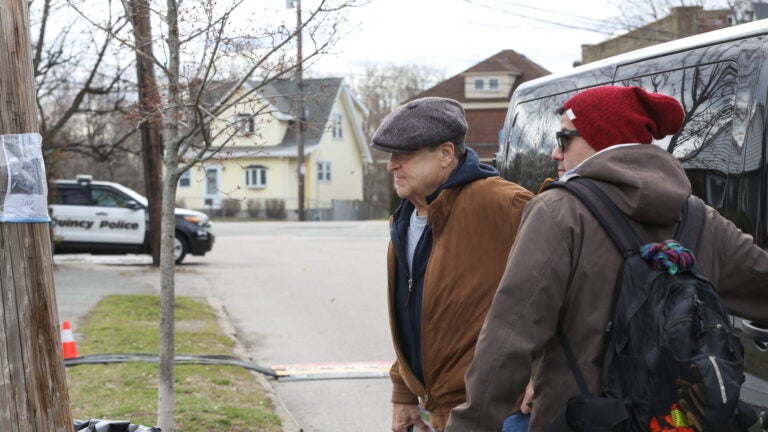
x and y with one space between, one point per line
77 84
383 87
197 42
637 13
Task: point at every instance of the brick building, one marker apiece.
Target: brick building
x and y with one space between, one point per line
485 90
680 23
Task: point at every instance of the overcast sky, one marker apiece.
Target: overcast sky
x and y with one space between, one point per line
453 35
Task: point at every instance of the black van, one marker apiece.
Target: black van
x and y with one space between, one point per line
721 79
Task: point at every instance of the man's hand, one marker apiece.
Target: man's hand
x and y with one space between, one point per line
527 405
406 415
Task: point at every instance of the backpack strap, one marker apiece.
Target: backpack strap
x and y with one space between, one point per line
691 225
605 211
572 363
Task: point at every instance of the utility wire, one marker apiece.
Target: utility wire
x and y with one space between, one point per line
224 360
179 359
588 23
609 28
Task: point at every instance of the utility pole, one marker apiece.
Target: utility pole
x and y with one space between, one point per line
301 116
33 387
150 123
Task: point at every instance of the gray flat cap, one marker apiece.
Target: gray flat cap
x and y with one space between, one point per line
421 123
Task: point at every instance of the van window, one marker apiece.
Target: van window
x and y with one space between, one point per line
530 141
708 95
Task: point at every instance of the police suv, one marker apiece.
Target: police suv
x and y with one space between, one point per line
721 79
106 218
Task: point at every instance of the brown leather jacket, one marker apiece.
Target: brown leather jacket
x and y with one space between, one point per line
473 228
564 267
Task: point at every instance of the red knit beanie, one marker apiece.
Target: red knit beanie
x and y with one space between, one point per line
610 115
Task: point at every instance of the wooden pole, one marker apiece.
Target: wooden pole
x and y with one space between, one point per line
301 122
151 138
33 386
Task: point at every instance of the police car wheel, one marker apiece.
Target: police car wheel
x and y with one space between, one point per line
180 248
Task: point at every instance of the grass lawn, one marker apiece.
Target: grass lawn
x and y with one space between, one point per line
208 397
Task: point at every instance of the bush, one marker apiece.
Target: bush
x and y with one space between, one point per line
275 208
254 207
230 207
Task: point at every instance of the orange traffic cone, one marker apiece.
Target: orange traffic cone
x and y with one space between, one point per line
67 341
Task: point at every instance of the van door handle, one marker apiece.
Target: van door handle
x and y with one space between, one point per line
101 213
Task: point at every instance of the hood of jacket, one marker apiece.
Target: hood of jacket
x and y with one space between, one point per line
643 180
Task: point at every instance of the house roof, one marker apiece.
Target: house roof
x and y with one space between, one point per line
506 61
486 115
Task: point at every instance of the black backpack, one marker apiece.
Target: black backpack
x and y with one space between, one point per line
672 361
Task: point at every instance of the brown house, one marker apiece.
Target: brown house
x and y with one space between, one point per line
485 90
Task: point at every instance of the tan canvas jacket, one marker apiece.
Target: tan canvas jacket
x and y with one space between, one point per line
473 227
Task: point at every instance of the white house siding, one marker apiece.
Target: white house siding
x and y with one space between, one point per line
346 167
269 131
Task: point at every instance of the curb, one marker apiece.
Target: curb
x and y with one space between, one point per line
288 422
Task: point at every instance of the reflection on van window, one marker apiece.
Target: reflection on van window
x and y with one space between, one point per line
531 141
703 146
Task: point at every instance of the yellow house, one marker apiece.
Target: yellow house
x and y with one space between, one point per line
255 171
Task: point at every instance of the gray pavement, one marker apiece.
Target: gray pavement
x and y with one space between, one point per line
295 293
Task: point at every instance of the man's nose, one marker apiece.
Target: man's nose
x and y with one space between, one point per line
392 163
556 154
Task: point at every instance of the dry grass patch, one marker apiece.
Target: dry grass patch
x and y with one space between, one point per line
208 397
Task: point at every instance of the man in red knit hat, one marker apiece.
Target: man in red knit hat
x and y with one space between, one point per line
563 266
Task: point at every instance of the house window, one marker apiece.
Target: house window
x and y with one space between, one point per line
324 171
244 124
185 179
256 177
336 121
479 84
493 83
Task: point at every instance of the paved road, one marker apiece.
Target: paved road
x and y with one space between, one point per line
297 293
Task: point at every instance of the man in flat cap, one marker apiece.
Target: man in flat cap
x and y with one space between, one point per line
450 238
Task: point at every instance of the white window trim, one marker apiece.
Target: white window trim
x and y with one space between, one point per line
186 175
245 124
260 172
324 172
337 125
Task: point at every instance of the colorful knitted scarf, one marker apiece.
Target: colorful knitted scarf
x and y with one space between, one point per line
670 256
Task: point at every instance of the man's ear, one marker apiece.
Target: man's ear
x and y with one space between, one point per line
447 153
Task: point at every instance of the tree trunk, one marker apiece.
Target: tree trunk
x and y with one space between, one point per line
151 139
33 386
166 403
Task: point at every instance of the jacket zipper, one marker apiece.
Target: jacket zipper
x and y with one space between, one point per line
410 291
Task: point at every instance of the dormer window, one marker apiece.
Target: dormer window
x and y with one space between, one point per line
488 85
244 124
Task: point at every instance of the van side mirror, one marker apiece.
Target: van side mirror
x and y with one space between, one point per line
757 331
133 205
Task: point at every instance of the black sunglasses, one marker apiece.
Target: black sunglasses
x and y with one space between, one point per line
564 137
